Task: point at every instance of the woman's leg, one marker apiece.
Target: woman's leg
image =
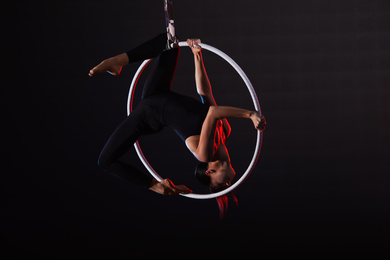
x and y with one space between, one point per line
147 50
120 142
161 77
164 67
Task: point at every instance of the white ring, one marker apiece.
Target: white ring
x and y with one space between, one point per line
255 103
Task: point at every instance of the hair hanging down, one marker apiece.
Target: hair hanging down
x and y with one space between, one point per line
223 201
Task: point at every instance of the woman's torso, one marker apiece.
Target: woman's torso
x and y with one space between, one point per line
185 115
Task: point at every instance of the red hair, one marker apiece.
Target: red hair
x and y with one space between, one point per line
223 204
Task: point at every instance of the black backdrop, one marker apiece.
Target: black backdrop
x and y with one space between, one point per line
321 185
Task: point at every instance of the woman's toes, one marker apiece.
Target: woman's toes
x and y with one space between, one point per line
98 69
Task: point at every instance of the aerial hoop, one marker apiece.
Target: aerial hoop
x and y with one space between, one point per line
256 106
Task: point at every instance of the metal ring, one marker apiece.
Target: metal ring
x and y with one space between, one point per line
255 103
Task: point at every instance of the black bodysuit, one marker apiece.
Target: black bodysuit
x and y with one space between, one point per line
159 108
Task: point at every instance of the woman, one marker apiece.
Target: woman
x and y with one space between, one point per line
202 125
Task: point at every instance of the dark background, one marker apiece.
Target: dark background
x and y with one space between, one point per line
321 185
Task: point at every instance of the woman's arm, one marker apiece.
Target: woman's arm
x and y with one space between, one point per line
223 112
203 85
205 152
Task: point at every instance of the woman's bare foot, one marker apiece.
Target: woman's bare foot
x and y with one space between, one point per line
112 65
166 187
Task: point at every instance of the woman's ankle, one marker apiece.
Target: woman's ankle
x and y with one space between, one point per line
121 59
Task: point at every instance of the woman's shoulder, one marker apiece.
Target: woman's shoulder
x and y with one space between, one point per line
192 143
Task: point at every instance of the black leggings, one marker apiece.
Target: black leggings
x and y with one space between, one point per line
146 118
